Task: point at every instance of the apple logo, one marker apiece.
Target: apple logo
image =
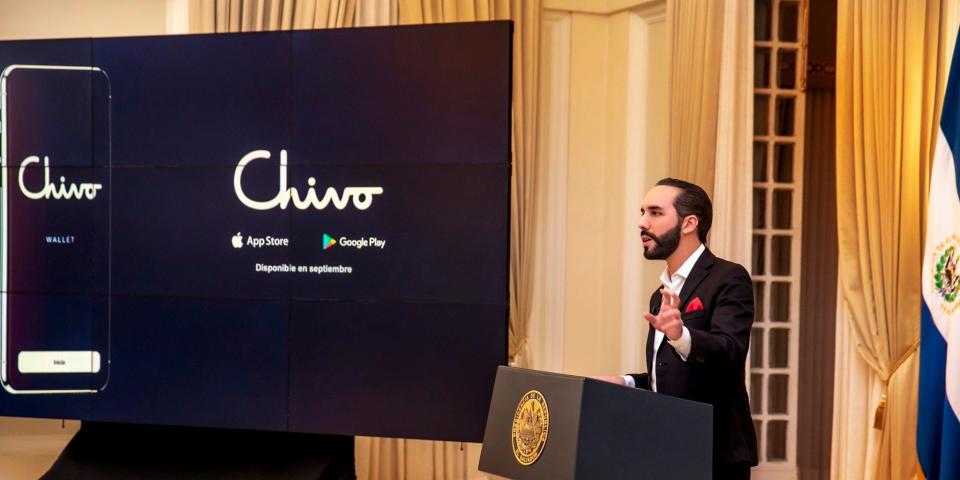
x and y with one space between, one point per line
237 240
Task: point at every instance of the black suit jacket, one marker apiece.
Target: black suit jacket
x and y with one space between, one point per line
714 370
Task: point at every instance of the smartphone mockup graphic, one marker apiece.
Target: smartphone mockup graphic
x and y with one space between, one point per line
55 160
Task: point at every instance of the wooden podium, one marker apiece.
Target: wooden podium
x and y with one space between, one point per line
550 426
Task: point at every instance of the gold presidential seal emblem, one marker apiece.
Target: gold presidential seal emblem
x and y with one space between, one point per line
946 272
531 423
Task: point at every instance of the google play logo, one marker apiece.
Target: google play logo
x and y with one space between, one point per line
328 241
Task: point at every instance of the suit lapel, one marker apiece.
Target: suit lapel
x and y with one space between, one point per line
654 309
700 271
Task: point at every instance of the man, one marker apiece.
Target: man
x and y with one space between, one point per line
700 322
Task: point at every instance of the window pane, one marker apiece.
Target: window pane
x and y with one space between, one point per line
779 348
782 208
787 68
758 428
759 208
758 253
784 116
756 393
756 348
776 440
759 161
761 68
762 20
761 109
783 162
780 255
779 302
789 17
757 301
777 395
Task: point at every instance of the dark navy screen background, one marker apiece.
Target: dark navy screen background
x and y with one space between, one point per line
408 343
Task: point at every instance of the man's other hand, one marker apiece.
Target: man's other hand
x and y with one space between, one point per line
610 378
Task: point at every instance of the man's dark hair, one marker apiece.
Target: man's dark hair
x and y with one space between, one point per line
692 200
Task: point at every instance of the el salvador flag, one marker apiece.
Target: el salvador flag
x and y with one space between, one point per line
938 427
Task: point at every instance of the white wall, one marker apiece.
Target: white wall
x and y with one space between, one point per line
27 19
603 144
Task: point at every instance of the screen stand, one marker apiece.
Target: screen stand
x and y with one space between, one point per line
112 450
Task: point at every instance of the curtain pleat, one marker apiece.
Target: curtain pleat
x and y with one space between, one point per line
202 15
216 16
731 161
526 61
694 28
818 288
321 13
410 13
711 130
891 72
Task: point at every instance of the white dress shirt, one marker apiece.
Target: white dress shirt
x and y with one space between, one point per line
681 345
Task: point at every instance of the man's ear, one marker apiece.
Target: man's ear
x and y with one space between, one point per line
690 224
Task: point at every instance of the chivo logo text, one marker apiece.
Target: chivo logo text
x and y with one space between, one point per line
361 197
54 191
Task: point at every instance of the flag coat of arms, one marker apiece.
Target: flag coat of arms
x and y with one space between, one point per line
938 416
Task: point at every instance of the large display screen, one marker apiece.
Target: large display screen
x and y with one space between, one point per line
304 231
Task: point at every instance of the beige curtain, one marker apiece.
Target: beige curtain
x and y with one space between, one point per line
414 12
526 81
891 72
711 112
220 16
694 28
857 390
731 234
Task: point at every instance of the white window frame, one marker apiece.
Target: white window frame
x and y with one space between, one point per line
787 468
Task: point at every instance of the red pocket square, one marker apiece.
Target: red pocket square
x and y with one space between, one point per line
694 305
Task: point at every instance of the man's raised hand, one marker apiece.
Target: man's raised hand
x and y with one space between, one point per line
668 320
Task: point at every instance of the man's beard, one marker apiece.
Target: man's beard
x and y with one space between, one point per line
664 245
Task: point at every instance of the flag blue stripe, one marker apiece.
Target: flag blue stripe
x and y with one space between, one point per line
950 116
933 395
950 448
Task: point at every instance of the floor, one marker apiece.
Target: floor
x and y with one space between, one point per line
29 446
